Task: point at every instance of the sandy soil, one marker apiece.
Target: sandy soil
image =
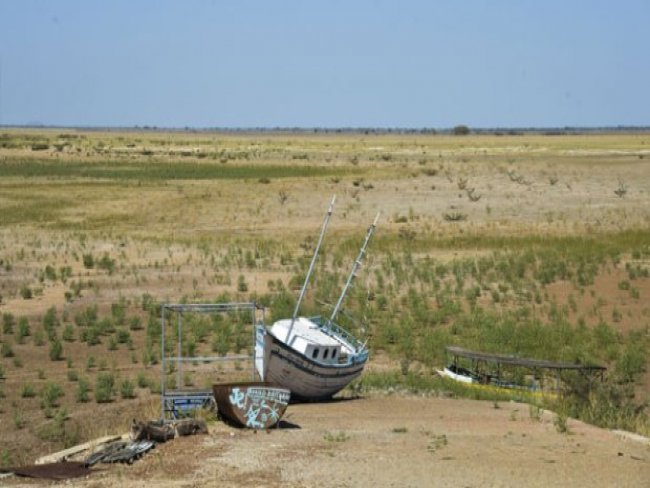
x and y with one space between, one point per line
395 440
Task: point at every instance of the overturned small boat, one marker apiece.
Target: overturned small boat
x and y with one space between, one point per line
313 357
257 405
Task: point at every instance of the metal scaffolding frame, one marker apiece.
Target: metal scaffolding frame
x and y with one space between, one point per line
204 308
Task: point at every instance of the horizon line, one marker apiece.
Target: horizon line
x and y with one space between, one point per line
510 130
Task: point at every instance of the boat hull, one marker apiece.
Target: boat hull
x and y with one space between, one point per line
308 380
256 405
462 378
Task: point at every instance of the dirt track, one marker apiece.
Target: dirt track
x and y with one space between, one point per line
394 441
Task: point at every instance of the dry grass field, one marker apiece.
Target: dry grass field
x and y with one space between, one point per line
531 244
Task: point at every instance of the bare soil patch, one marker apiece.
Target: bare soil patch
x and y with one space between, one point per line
394 441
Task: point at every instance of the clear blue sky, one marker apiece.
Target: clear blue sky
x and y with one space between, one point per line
327 63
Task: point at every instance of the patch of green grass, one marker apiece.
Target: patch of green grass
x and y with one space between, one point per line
437 442
338 437
149 171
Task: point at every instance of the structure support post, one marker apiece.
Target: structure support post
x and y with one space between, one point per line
179 378
162 362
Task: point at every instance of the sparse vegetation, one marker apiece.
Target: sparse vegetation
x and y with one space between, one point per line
336 437
437 442
455 216
554 266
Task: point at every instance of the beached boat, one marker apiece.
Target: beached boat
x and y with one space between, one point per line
313 357
457 373
257 405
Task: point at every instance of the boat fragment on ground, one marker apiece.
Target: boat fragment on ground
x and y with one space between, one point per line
256 405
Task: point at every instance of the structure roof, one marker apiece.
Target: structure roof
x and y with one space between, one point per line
516 361
305 329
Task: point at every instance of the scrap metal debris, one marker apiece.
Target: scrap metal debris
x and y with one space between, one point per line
160 431
120 452
144 436
73 453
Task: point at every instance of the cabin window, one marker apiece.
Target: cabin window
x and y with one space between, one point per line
325 353
314 353
333 353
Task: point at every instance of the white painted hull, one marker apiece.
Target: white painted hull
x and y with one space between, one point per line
455 376
308 380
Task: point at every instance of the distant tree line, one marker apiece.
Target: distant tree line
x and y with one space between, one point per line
456 130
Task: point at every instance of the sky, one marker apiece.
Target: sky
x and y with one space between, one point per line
334 63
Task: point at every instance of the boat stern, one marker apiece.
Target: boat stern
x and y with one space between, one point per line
260 351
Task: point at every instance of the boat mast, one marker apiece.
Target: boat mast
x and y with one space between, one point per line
311 267
355 267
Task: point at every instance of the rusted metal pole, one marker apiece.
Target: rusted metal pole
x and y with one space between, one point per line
355 268
311 268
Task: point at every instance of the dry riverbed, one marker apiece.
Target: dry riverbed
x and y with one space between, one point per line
394 440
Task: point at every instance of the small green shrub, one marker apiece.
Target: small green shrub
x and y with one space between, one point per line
56 351
142 380
39 337
560 423
27 391
81 394
135 323
118 312
127 389
26 292
68 333
104 387
437 442
8 322
123 336
50 273
50 319
338 437
6 459
107 264
6 351
50 395
91 335
242 286
23 330
87 318
90 362
455 217
19 420
89 261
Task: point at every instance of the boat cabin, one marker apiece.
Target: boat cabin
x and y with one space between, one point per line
307 338
323 353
